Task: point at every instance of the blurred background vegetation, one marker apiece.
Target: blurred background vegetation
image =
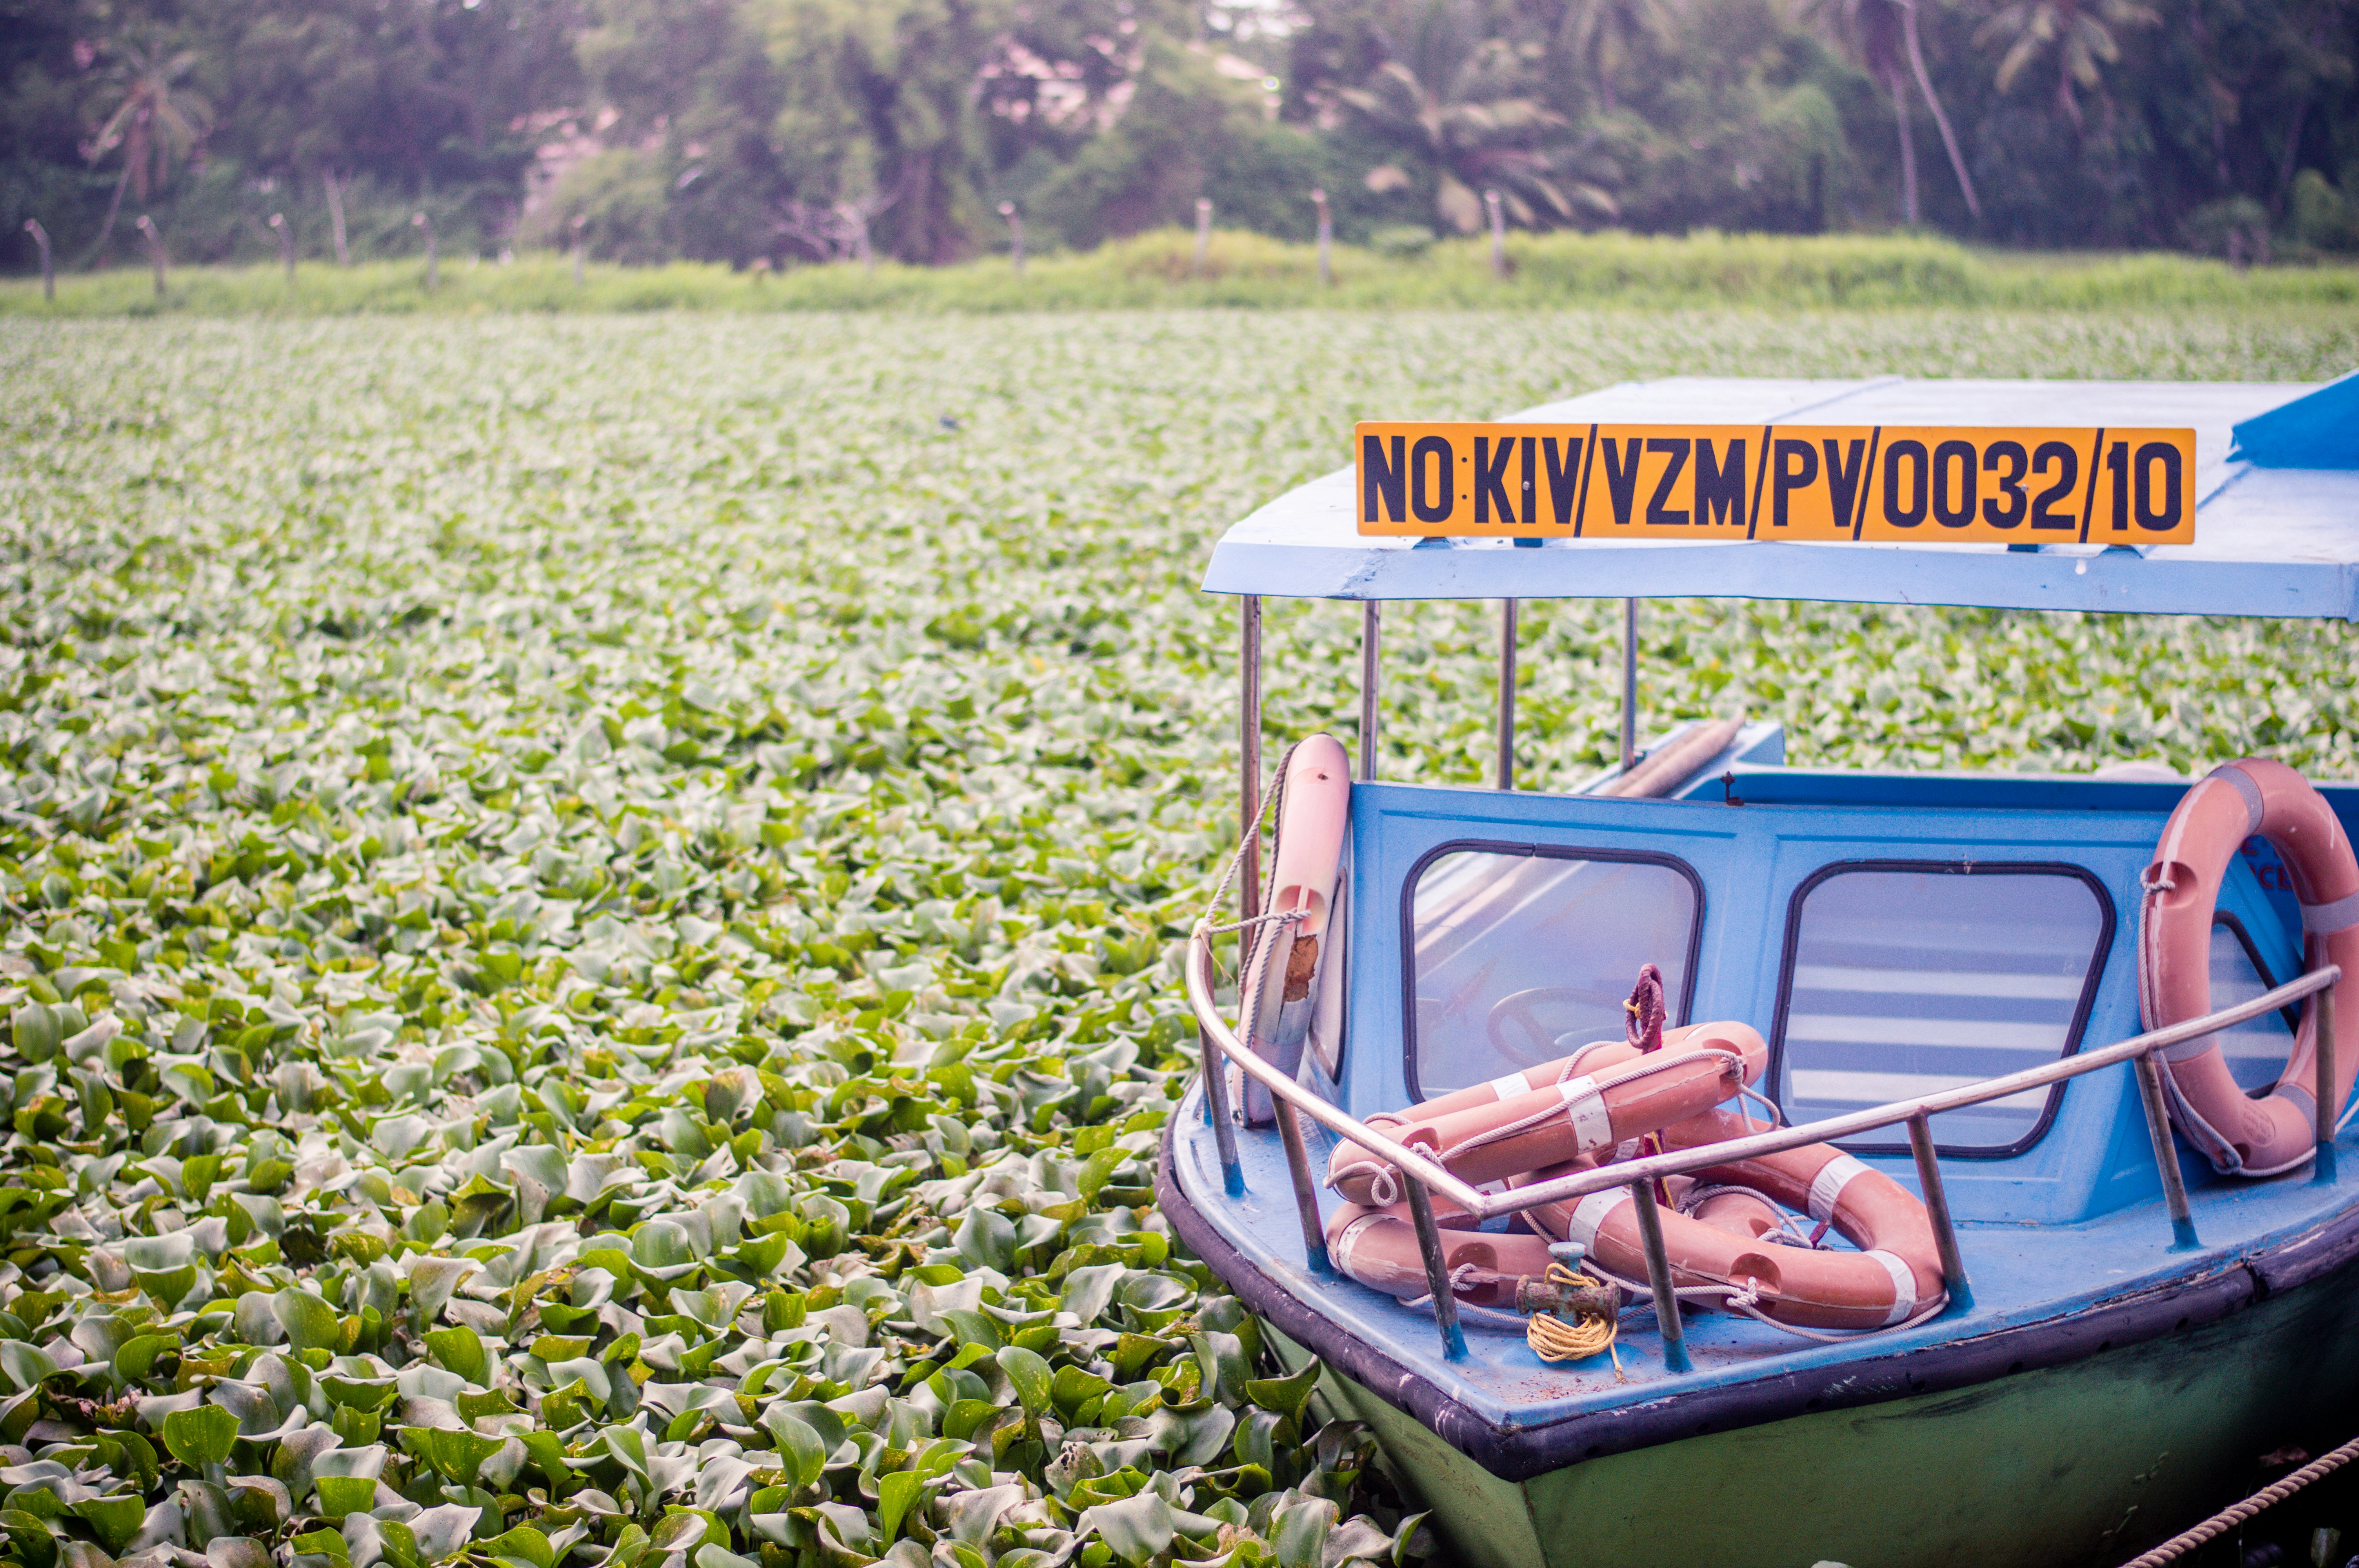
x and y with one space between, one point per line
766 134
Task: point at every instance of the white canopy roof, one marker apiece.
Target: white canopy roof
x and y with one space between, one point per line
2270 540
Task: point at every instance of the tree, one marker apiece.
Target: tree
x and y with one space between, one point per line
879 115
156 122
1881 35
1447 97
1600 35
2080 32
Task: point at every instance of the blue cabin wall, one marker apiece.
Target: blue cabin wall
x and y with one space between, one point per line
2095 1155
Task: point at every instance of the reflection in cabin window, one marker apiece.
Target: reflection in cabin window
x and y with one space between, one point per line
2255 1049
1517 957
1907 981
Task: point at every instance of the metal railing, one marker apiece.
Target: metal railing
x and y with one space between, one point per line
1423 1176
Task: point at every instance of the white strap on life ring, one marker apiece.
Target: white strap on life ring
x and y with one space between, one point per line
1592 1124
2321 919
1510 1087
1592 1212
1904 1286
1827 1187
1342 1250
2242 782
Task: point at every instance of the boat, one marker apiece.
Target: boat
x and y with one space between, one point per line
1976 985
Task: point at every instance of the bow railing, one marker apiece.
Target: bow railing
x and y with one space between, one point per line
1423 1176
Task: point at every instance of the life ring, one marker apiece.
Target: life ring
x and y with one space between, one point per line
1718 1234
1377 1246
2239 1135
1283 963
1599 1097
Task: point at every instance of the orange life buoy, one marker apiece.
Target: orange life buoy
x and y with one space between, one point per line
1600 1097
1377 1246
1720 1232
2239 1135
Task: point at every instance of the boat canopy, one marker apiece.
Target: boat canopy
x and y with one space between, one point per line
2277 512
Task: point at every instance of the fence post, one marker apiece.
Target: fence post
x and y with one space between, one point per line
49 275
1326 239
155 250
1015 235
433 263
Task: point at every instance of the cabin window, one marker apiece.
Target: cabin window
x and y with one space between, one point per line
1906 979
2255 1049
1519 954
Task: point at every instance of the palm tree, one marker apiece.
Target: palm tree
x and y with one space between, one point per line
1881 35
155 122
1599 33
1446 96
2079 31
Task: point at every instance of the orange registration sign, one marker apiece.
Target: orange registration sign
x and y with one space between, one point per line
1881 484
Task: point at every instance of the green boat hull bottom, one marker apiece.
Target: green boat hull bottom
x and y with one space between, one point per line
2095 1461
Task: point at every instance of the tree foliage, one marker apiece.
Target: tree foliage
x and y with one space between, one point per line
790 131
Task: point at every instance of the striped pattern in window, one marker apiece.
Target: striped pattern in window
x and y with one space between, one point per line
1907 982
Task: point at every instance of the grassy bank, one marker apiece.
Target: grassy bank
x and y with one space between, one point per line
1245 270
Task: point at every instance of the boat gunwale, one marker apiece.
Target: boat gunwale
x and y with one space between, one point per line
2223 1285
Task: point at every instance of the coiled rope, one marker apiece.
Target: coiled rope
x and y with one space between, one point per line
2230 1518
1553 1339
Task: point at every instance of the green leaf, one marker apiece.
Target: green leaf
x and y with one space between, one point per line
342 1495
201 1437
895 1493
1031 1376
1300 1529
1137 1528
524 1543
25 1364
461 1349
676 1531
310 1323
457 1456
135 1357
1284 1395
114 1520
804 1456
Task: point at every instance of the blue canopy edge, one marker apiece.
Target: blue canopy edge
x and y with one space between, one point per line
2317 430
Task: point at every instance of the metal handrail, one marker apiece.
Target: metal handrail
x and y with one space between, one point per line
1639 1175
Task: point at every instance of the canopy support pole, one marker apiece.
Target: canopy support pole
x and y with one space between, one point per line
1249 756
1507 694
1629 684
1371 633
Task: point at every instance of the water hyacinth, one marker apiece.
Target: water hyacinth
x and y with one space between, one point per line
593 908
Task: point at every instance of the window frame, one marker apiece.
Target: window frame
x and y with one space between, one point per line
2073 1035
1525 851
